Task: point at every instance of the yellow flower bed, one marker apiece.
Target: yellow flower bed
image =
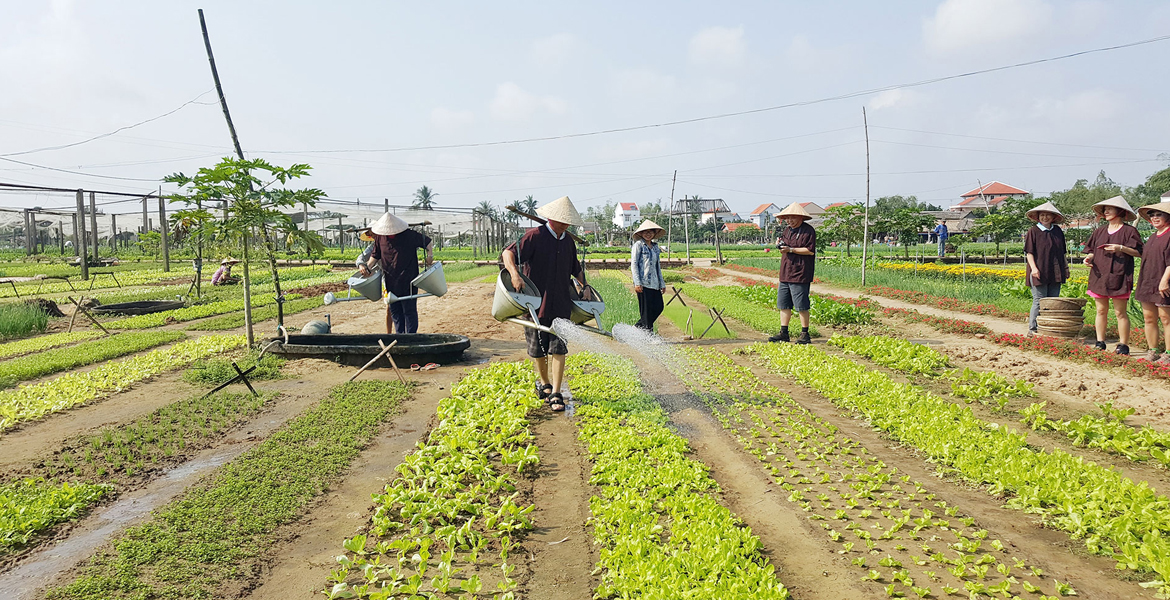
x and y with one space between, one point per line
1001 274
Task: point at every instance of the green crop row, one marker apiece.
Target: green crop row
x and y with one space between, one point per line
621 305
662 532
1106 432
221 529
190 313
863 505
210 372
29 506
44 342
236 319
454 499
762 319
467 274
1115 516
824 311
72 389
86 353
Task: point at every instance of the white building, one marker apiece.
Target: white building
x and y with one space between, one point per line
763 214
626 215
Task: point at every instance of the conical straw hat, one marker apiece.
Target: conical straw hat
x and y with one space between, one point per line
561 210
1118 202
1163 206
388 225
229 261
794 209
1046 207
649 225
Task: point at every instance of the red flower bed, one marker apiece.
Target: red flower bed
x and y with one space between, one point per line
756 270
944 324
1068 349
945 302
707 274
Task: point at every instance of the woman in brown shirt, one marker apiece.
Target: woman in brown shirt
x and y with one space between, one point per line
1047 257
1153 285
1111 250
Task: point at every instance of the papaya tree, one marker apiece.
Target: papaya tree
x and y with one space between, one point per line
256 204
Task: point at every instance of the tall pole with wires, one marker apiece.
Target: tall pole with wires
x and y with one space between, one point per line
865 225
670 213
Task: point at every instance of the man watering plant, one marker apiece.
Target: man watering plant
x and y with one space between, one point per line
549 259
797 246
396 248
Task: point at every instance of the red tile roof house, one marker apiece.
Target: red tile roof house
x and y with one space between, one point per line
763 214
987 196
626 215
812 208
734 226
836 204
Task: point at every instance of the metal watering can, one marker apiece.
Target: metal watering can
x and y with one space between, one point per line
508 304
432 281
370 288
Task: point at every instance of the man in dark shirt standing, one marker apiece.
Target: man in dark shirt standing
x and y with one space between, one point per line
797 246
549 258
396 251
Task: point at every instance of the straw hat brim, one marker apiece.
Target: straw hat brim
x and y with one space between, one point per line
365 235
229 261
1115 202
389 224
1047 207
1163 207
561 210
794 210
649 225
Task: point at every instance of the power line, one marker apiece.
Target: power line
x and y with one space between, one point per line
995 139
992 151
845 96
108 134
28 164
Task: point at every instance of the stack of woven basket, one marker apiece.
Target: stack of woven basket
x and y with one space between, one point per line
1061 317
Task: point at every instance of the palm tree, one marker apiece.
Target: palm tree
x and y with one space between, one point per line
424 198
528 205
486 208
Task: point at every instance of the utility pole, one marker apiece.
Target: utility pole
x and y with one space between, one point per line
79 234
687 226
162 226
145 219
670 213
340 235
93 222
113 233
865 226
27 238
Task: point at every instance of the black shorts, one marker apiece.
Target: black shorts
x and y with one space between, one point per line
541 344
791 296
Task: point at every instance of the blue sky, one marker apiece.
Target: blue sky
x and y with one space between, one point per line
303 77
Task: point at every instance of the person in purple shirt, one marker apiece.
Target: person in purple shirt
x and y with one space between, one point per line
223 275
798 247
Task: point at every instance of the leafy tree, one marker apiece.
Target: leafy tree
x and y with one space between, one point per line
1078 201
254 204
528 205
424 198
1006 221
486 208
150 243
1151 191
845 224
905 223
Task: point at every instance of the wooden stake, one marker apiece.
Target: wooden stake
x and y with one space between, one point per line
85 311
385 349
390 357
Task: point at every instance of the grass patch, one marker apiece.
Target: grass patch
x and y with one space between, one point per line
677 314
19 319
461 275
621 305
221 528
87 353
234 320
210 372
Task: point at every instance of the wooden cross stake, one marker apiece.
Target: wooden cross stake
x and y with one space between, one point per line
676 295
84 311
716 315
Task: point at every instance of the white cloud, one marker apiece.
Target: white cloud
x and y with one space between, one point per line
643 85
447 119
512 103
1087 106
960 25
718 47
553 51
893 98
802 55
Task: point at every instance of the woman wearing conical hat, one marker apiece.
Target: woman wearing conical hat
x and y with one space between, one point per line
1153 284
396 248
1047 257
798 247
548 257
646 271
1111 249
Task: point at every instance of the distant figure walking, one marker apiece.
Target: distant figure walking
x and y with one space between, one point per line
1110 253
942 233
798 246
1047 258
646 271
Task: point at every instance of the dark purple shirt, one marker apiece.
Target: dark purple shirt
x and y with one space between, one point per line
398 257
798 268
549 263
1048 250
1155 258
1112 272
